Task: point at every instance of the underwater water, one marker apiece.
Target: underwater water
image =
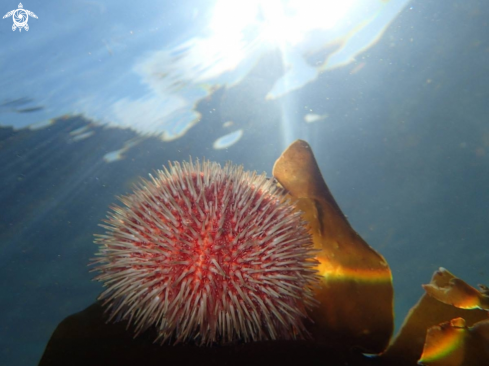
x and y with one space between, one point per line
392 96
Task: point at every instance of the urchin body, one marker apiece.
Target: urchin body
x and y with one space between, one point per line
208 254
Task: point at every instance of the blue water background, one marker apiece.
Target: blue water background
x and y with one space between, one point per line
404 149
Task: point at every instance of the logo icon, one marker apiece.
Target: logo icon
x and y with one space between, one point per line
20 17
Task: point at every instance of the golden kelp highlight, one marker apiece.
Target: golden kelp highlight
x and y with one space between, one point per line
454 344
356 295
458 293
444 343
407 346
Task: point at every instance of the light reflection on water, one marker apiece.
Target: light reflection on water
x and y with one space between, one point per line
126 80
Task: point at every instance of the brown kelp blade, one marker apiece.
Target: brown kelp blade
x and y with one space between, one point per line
86 338
454 344
356 297
458 293
407 347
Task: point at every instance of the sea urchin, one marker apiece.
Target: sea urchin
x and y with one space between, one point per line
209 254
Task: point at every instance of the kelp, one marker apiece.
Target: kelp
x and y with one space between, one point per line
453 343
407 347
448 326
454 291
357 294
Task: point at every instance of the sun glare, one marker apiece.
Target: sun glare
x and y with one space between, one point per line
280 22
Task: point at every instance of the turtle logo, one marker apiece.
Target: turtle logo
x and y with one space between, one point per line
20 17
